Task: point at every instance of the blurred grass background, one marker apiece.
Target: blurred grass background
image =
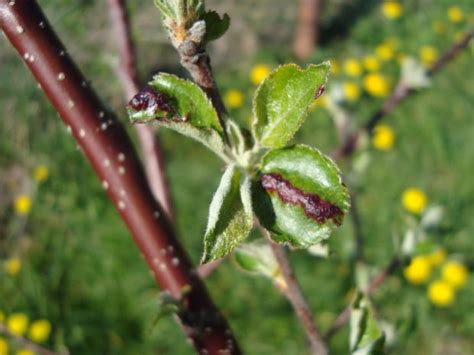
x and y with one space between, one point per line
79 266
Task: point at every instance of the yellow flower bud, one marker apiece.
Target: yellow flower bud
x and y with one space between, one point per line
39 330
437 257
13 266
351 91
376 85
41 173
371 63
352 67
455 14
455 273
22 204
428 55
258 73
383 137
419 270
17 323
234 98
441 293
392 9
3 346
414 200
385 51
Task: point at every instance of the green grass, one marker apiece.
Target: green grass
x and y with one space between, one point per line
81 270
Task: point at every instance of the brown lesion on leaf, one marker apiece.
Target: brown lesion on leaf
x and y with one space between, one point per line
320 91
153 102
313 205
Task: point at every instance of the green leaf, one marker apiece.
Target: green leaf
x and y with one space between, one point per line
366 337
257 258
299 198
281 102
215 25
230 216
182 106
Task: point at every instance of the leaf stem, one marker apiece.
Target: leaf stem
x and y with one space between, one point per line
292 291
127 74
109 149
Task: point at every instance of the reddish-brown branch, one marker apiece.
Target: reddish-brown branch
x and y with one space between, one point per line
110 152
292 291
307 28
400 93
127 73
343 317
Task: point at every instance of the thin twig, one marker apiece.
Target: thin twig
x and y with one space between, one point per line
28 344
400 93
197 62
292 291
127 73
110 151
343 317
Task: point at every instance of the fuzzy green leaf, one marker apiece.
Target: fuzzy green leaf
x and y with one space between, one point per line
257 258
182 106
230 216
281 102
299 198
215 25
366 338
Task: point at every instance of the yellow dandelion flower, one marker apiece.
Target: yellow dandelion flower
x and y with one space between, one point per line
392 9
439 27
234 98
25 352
41 173
419 270
335 67
17 323
455 274
3 346
383 137
428 55
437 257
414 200
22 204
352 67
258 73
441 293
385 51
39 330
13 266
376 85
371 63
351 91
455 14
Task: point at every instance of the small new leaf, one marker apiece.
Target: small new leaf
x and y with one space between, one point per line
182 106
215 25
299 198
366 338
281 102
257 258
230 216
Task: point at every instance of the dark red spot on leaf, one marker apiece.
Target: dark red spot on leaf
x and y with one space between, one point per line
314 206
320 91
151 101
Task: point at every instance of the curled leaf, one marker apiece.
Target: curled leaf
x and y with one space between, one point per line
300 198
